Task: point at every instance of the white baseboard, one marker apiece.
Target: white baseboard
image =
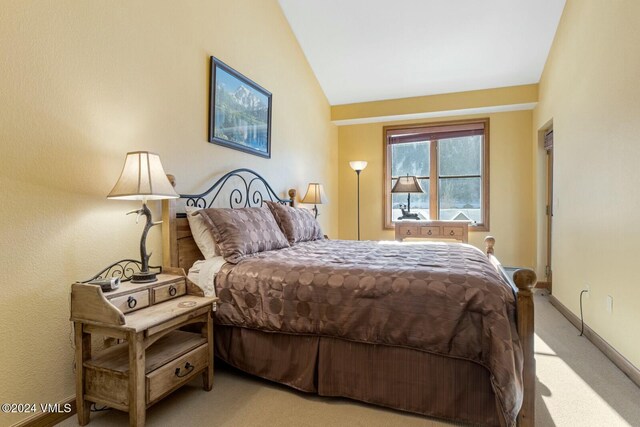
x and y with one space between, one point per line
618 359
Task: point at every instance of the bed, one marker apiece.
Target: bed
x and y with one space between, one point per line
391 324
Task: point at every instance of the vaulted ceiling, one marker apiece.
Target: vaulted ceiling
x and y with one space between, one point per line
367 50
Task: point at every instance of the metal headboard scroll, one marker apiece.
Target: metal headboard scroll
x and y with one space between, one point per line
251 191
123 269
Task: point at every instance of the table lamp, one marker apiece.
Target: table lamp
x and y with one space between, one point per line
143 178
407 184
315 195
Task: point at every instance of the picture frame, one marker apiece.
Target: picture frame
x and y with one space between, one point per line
239 111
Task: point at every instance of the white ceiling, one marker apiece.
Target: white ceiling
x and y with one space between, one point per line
367 50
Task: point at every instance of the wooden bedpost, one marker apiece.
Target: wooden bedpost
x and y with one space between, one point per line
489 242
169 245
522 284
525 280
292 196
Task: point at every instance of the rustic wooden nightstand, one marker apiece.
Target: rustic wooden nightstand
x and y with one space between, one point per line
155 357
439 230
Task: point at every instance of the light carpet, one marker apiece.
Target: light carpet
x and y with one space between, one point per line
577 386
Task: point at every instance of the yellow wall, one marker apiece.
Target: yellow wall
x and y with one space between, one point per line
511 184
589 88
82 83
486 98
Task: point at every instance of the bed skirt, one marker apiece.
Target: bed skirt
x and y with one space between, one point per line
394 377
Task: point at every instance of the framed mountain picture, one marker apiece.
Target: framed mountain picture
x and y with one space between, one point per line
239 111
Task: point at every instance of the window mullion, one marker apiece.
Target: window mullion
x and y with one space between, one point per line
433 181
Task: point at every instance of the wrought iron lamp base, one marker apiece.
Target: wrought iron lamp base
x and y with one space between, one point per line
123 270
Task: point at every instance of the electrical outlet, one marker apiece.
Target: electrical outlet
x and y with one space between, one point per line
587 287
609 304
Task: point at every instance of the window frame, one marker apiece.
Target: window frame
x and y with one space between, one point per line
434 177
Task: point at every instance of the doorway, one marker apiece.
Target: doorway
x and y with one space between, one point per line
548 148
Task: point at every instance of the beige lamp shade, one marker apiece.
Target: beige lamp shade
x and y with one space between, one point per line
407 184
358 165
315 194
143 178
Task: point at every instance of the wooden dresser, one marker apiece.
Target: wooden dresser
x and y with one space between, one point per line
438 230
150 356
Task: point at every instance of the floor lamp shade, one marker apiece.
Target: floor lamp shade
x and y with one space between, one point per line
143 178
358 165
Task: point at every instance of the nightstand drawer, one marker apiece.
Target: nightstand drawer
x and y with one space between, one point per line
166 292
430 231
175 373
452 232
409 231
132 302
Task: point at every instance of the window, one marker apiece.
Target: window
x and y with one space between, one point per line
451 162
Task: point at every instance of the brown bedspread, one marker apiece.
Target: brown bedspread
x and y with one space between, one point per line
441 298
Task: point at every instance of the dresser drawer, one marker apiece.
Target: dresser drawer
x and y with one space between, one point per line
453 232
409 230
430 231
132 302
175 373
166 292
436 229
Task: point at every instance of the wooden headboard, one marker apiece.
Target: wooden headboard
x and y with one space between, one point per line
236 189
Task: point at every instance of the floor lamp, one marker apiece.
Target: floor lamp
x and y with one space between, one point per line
358 166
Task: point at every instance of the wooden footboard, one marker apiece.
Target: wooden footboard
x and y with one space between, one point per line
522 283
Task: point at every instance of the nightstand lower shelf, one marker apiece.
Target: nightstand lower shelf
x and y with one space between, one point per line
170 362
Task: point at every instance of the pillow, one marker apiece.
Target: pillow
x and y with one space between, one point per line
244 231
298 224
201 233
